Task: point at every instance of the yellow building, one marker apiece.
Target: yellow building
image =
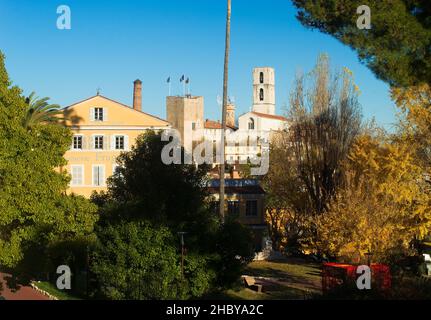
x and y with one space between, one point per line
103 128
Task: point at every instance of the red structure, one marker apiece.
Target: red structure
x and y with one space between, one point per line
337 275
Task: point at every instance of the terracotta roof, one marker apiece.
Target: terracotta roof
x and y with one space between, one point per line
210 124
270 116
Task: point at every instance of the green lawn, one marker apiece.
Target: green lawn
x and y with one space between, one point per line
290 279
52 290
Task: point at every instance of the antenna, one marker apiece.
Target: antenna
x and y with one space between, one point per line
98 91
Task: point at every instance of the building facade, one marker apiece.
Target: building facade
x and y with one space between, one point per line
103 128
245 201
246 138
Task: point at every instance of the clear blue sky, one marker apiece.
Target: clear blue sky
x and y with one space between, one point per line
113 43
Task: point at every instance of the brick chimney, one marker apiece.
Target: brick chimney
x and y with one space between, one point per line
137 95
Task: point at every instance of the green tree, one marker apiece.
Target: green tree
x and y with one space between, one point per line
287 204
132 260
35 212
172 197
396 48
144 188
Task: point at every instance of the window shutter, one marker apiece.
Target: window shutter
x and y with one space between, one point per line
93 143
113 142
105 142
105 114
84 140
95 175
126 142
102 175
91 114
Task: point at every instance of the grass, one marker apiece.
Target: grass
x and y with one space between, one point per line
52 290
293 279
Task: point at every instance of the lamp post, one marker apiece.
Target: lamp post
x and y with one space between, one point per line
369 254
182 253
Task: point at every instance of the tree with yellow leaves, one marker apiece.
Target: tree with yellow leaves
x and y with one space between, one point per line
415 105
382 207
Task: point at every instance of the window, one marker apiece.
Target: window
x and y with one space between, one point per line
98 142
119 142
77 172
261 77
98 175
251 124
233 207
251 208
261 95
98 114
193 125
77 143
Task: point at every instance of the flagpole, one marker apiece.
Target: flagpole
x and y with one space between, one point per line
188 86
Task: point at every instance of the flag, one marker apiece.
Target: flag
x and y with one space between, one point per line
182 78
188 80
169 80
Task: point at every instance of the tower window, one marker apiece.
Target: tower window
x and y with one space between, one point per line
261 77
261 95
251 124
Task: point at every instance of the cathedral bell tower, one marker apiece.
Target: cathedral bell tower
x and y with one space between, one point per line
264 90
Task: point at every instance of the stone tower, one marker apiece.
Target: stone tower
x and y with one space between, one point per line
230 115
264 90
185 111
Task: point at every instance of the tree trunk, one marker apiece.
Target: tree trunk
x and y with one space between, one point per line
225 97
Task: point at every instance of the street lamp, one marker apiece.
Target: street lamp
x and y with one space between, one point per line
369 254
182 252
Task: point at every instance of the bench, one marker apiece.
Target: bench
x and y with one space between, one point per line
250 283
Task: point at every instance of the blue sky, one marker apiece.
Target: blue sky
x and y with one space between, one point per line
112 43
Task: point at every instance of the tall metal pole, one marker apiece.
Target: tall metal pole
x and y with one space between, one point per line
225 97
182 253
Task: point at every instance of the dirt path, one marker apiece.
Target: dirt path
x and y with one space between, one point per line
11 291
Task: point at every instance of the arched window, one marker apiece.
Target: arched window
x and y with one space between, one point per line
251 124
261 77
261 95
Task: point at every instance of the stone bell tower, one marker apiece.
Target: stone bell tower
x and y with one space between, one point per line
264 90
